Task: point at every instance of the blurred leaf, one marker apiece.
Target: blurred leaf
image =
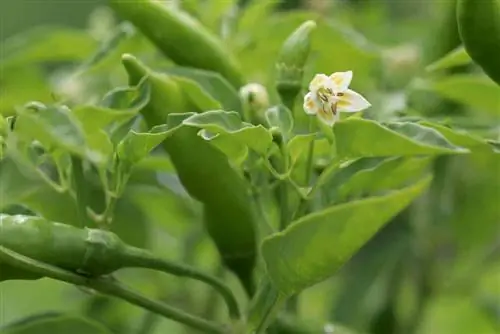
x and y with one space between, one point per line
281 118
228 125
254 11
213 12
47 44
213 83
291 325
388 174
460 137
475 91
20 84
197 95
454 314
370 278
365 138
302 255
457 57
53 127
298 145
118 105
57 324
57 127
122 33
476 189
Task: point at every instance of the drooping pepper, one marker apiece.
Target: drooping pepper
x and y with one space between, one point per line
180 37
89 252
206 174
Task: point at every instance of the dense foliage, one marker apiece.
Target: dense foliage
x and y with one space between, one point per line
185 141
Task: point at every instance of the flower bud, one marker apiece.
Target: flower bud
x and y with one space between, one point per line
255 99
297 47
291 62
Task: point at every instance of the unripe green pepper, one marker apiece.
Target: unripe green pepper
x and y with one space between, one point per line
180 37
206 174
89 252
291 61
479 26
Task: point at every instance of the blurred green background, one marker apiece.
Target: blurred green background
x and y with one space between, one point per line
447 270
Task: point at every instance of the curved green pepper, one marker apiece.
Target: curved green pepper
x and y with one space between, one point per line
89 252
206 174
479 26
180 37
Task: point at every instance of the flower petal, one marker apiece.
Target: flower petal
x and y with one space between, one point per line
351 101
328 114
341 80
310 106
319 80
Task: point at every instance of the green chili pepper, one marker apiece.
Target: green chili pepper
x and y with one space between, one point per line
206 174
90 252
479 26
180 37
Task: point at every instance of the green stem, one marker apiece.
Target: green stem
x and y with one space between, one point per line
310 154
109 287
288 96
80 187
270 312
283 191
143 259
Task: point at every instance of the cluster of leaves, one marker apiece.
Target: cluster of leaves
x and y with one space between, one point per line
85 157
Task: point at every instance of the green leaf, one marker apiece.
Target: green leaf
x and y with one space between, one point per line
313 248
213 84
47 44
135 146
21 84
456 57
298 146
56 324
122 33
281 118
388 174
51 126
228 124
57 127
460 137
475 91
118 105
366 138
197 95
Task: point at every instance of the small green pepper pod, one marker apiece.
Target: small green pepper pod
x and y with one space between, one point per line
180 37
90 252
479 27
291 61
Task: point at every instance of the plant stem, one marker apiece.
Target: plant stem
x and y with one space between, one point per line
283 191
140 258
81 190
109 287
310 153
269 315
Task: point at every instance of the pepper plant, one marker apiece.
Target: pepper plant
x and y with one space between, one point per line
199 173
